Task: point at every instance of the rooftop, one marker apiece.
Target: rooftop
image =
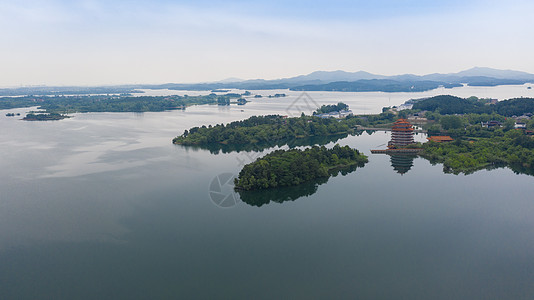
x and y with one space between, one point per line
440 138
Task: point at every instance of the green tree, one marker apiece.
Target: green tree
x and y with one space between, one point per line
451 122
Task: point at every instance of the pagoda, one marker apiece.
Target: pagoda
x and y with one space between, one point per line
401 134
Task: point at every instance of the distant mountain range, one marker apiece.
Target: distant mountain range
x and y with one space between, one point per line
456 77
360 81
364 81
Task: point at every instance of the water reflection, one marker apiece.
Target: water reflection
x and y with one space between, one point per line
291 142
520 169
402 163
516 168
292 193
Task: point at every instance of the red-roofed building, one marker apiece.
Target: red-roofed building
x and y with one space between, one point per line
440 138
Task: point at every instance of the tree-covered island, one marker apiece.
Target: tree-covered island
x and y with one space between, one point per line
293 167
44 117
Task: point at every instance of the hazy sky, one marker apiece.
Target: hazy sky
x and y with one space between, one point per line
118 41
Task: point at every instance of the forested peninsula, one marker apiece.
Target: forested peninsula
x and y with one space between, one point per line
293 167
258 129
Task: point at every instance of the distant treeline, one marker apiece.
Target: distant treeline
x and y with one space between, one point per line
104 103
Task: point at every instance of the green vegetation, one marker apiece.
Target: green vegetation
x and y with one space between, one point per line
466 156
330 108
476 146
261 129
450 122
44 117
447 105
293 167
260 132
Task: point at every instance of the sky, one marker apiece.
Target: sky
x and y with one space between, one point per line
107 42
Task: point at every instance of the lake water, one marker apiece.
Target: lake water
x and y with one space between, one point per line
102 205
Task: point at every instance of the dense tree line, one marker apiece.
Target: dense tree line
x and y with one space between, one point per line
292 167
517 107
446 105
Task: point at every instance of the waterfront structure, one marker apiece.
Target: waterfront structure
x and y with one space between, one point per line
401 134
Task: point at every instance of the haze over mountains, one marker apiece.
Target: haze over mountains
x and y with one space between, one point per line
360 81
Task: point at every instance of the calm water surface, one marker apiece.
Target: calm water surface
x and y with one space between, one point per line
104 206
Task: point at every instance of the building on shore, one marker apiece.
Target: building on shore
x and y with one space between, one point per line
401 134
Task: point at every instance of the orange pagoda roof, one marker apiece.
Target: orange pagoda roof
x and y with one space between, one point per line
402 125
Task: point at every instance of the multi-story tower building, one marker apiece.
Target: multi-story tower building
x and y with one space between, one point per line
401 134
